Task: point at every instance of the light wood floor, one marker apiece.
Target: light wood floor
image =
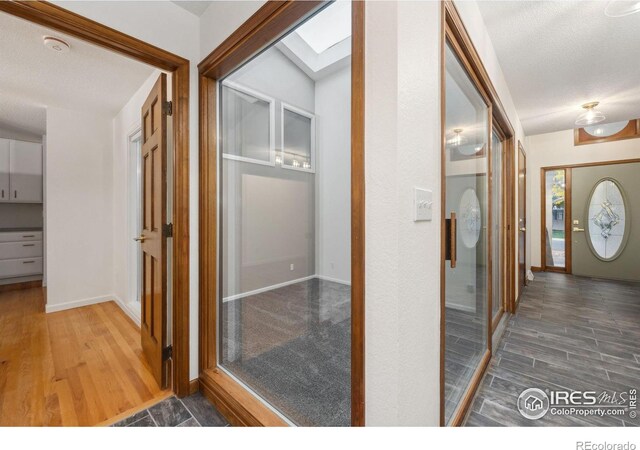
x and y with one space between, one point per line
78 367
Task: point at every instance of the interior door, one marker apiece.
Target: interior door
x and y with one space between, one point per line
605 213
4 170
522 219
152 240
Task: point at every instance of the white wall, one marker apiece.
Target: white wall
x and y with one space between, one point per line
165 25
79 208
333 175
556 149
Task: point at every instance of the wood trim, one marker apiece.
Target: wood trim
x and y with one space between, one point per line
136 409
536 269
455 33
515 173
591 164
567 221
57 18
22 285
465 404
194 386
543 226
271 21
631 131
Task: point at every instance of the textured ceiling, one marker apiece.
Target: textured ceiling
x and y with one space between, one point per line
558 55
32 77
194 7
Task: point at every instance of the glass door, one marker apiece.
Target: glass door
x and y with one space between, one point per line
467 224
499 232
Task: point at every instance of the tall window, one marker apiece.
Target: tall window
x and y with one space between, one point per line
554 230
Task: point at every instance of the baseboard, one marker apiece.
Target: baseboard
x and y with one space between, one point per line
127 310
20 285
459 307
20 280
536 269
194 386
267 288
333 280
78 303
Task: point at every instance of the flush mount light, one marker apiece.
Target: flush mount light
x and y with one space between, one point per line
55 44
591 115
620 8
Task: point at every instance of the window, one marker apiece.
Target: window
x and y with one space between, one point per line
247 125
298 139
555 223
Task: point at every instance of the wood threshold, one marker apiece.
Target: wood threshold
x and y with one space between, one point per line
465 404
130 412
57 18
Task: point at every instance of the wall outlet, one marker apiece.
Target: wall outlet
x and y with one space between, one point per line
292 267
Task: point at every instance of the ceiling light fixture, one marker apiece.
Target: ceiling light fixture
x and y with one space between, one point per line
621 8
55 44
457 140
591 115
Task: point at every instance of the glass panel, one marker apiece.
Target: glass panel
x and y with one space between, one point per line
606 224
496 186
246 124
297 140
284 305
555 217
466 185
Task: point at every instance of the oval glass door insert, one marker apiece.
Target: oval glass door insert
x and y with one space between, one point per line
607 230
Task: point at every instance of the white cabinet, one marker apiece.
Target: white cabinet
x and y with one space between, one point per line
25 172
20 253
4 170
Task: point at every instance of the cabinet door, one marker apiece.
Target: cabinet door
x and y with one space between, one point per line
4 170
26 172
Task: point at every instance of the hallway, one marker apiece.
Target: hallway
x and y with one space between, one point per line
78 367
568 333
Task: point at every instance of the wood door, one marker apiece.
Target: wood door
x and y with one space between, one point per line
522 219
25 172
153 327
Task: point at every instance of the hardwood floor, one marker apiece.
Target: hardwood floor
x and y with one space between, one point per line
78 367
569 333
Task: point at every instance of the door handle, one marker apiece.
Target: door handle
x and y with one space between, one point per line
578 229
140 239
523 229
451 231
15 194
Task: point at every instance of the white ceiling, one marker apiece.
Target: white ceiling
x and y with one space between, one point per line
557 55
32 77
194 7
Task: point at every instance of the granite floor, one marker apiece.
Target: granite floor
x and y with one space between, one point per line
292 346
569 333
192 411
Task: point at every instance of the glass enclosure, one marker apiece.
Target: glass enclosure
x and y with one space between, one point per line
466 197
555 183
284 306
497 223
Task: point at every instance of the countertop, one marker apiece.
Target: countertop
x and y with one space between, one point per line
19 230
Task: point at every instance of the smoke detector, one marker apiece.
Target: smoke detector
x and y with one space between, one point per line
55 44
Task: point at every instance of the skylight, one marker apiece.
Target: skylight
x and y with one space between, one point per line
327 28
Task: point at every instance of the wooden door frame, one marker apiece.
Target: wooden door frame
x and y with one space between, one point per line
270 22
54 17
516 169
454 31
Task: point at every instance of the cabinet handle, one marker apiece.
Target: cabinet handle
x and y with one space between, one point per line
28 245
3 193
28 235
27 262
15 194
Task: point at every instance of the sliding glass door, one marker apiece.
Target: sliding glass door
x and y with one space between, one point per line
284 306
499 230
467 225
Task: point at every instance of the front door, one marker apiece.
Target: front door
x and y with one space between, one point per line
605 223
152 240
522 219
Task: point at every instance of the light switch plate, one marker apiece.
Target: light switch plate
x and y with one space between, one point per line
423 205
